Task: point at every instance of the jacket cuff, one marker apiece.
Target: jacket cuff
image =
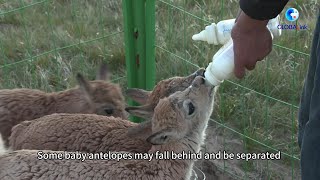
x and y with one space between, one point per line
262 9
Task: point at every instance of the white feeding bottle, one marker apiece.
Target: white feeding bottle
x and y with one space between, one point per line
220 33
222 65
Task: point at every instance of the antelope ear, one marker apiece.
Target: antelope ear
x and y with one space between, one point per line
139 95
142 130
145 111
162 137
84 86
103 73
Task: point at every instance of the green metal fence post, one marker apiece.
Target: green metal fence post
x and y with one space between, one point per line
139 30
150 44
129 44
140 41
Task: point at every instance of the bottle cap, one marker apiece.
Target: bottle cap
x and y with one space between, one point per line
210 78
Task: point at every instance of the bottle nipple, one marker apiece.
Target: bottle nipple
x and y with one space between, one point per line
201 36
208 34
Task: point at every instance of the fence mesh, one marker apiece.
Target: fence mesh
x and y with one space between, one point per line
257 114
45 43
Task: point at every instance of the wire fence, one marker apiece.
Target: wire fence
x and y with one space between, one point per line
257 114
45 43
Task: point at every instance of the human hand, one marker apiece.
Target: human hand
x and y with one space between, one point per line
252 42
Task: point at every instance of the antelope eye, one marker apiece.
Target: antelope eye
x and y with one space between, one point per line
191 108
108 111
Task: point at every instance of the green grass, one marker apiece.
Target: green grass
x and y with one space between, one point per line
43 46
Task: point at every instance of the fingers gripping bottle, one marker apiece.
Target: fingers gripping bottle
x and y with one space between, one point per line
222 64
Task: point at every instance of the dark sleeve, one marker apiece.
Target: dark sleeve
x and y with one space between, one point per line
262 9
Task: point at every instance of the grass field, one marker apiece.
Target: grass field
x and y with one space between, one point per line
45 43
